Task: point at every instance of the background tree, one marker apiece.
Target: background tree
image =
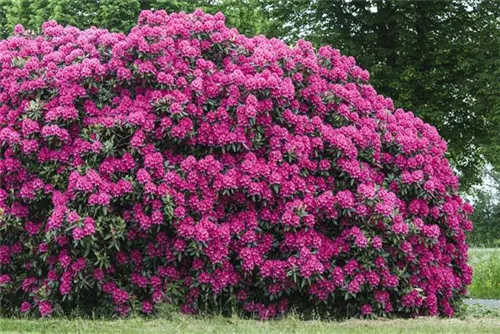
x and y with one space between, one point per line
17 12
4 29
440 59
486 213
118 15
247 15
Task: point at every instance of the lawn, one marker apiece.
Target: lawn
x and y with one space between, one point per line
486 279
477 255
219 325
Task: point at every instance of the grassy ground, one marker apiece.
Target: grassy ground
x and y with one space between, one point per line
221 325
470 319
486 279
477 255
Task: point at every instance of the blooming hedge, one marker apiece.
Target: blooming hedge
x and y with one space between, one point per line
185 163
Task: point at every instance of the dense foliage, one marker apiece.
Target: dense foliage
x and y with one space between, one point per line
189 164
248 16
439 59
486 216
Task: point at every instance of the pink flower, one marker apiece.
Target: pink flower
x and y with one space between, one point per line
120 296
361 241
147 307
5 279
376 242
353 287
25 307
345 199
366 309
400 228
45 308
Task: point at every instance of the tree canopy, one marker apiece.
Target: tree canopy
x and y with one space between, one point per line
440 59
120 16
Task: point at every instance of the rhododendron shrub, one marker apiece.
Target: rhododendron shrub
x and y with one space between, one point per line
185 163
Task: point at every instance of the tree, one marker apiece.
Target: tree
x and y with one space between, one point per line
439 59
486 232
4 30
246 15
17 12
118 16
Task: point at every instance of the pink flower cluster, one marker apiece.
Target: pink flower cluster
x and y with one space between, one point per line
187 163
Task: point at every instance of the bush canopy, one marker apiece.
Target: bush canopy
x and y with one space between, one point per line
186 163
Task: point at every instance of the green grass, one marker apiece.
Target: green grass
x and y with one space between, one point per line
470 319
220 325
481 254
486 279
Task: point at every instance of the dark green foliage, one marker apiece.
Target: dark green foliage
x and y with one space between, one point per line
247 15
440 59
114 15
4 30
486 220
486 217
